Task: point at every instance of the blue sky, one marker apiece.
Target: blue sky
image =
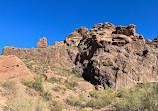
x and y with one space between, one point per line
24 22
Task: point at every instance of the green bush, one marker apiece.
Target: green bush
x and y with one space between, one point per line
36 84
101 99
142 97
80 101
46 95
97 100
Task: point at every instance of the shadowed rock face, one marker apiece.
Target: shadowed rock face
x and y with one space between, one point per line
105 55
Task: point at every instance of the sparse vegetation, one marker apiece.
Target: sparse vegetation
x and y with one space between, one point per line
101 99
37 66
71 85
56 105
10 88
54 80
72 73
143 97
26 104
59 88
38 85
97 100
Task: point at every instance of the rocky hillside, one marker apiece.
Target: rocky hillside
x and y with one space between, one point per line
72 75
105 55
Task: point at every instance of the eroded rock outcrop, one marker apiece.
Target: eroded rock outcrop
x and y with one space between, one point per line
74 38
42 43
116 57
107 56
60 56
12 68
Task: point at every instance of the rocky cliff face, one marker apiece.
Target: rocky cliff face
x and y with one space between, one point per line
59 56
107 56
116 57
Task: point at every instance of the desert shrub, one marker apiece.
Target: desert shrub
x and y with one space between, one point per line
101 99
38 85
71 85
72 73
97 100
25 104
41 65
46 95
139 98
59 88
56 105
80 100
10 88
54 80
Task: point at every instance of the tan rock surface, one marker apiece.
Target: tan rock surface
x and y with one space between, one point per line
12 68
42 43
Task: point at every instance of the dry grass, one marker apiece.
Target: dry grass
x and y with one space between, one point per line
26 104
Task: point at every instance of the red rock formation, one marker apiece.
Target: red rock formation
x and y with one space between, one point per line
105 55
42 43
74 38
60 56
12 68
116 57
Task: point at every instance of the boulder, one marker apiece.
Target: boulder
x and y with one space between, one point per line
12 68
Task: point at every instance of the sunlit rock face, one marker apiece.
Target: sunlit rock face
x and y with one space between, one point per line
107 56
42 43
116 57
